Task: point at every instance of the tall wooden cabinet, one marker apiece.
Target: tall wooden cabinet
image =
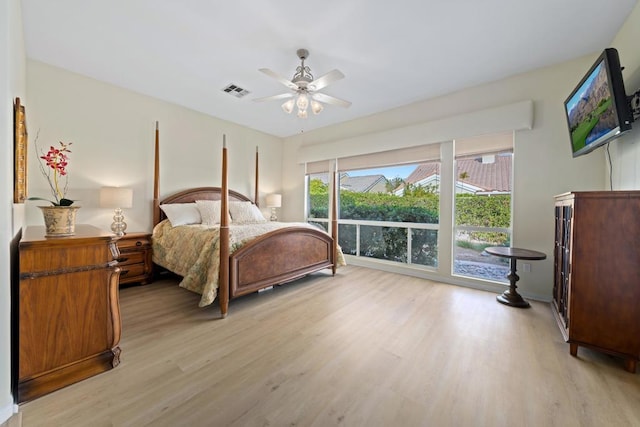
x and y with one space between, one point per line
596 293
68 317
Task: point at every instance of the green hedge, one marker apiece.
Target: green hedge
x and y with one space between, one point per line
388 207
471 210
483 211
391 242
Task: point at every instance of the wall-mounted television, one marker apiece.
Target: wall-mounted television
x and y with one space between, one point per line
597 109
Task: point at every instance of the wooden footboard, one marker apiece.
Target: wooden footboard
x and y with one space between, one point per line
278 257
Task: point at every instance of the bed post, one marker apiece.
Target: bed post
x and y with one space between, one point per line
156 179
334 218
223 280
255 200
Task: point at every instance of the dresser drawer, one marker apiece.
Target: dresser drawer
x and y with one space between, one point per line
132 272
126 244
128 258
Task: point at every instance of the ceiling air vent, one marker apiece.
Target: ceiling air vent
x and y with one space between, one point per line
235 90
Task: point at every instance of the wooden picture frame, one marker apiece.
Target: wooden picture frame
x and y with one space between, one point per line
19 153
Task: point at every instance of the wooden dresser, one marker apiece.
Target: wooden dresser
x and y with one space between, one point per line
135 258
68 320
596 291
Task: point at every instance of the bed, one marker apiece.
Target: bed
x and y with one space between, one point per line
237 266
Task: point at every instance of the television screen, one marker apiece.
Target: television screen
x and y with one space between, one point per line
597 109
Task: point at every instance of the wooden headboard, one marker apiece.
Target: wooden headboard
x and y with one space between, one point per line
193 194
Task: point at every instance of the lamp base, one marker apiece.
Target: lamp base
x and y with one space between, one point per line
118 226
273 215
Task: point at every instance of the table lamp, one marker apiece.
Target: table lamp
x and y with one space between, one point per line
117 198
274 201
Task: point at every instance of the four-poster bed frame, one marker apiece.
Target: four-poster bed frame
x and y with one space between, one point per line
274 258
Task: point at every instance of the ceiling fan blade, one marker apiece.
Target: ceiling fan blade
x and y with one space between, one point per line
279 78
275 97
326 79
327 99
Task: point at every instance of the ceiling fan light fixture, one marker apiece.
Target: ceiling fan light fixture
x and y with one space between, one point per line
304 89
303 101
316 107
288 106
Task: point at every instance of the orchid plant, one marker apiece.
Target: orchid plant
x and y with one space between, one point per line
53 165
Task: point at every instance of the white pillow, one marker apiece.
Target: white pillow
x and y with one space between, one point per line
245 212
182 213
209 211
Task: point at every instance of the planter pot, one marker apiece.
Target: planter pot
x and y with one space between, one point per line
59 221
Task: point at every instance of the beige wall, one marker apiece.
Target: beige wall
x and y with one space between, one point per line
12 85
625 152
113 131
543 165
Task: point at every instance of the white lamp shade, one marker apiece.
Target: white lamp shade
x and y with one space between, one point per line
288 106
316 107
302 102
274 200
116 197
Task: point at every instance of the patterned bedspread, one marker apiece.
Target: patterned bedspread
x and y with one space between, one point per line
193 252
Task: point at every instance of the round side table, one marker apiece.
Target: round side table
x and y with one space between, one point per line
511 296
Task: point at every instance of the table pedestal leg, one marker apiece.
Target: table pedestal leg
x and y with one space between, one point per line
511 296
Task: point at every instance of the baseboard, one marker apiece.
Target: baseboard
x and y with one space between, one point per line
7 411
431 274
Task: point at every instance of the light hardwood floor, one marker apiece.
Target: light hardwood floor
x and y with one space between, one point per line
364 348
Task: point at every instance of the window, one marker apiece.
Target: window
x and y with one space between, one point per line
318 188
482 206
387 213
318 199
388 204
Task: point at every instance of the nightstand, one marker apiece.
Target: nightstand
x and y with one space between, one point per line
135 258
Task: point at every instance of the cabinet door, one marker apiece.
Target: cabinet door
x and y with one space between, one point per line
68 316
605 272
63 319
567 236
562 261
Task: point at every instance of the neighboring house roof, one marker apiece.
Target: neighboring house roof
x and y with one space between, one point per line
359 184
364 184
423 172
479 176
494 177
324 176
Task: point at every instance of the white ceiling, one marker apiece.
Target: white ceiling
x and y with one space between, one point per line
392 52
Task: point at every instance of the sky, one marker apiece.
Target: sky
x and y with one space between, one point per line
389 172
581 93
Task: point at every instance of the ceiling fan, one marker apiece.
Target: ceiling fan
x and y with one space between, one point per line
304 89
